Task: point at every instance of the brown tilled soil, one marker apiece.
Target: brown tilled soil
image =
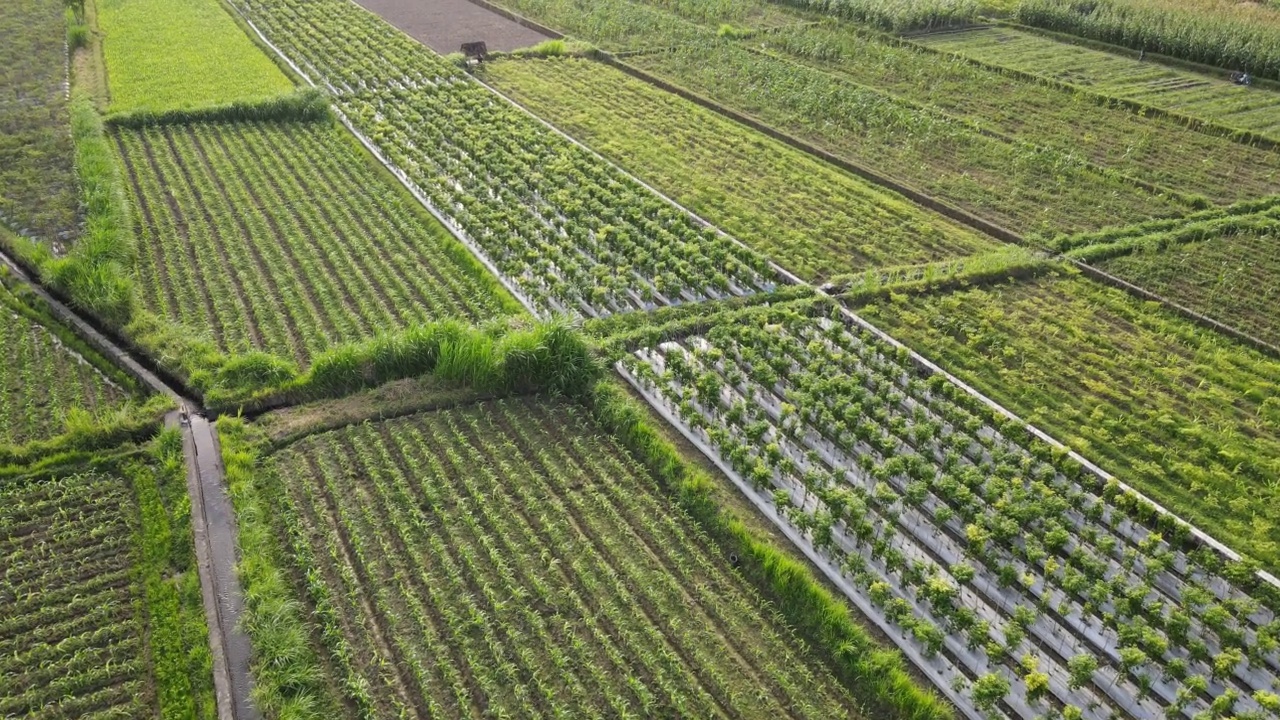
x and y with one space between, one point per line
443 25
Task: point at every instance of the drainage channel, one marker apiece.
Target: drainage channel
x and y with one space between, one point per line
212 516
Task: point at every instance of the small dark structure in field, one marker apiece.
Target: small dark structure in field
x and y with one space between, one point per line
475 50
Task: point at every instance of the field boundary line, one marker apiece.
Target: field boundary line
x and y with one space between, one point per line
1212 128
516 18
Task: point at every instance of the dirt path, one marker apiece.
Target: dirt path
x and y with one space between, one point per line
443 25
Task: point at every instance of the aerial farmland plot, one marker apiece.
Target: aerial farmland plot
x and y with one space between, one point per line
674 359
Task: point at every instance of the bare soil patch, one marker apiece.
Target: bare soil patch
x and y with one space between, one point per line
443 25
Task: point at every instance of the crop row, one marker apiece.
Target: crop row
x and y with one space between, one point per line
38 192
43 380
1030 586
813 219
1158 150
573 233
71 630
1186 416
283 238
1208 97
505 557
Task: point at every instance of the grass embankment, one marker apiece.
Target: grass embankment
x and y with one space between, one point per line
181 54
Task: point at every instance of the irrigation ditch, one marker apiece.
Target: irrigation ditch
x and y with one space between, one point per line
212 518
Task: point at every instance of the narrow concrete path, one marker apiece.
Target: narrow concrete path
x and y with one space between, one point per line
213 525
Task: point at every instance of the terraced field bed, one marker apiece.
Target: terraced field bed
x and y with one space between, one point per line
574 234
507 558
1183 414
1026 585
285 238
38 192
100 611
1156 150
1212 98
812 218
44 379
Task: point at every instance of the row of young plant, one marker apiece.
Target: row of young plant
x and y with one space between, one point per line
38 191
282 238
1211 97
100 611
1035 589
516 610
574 234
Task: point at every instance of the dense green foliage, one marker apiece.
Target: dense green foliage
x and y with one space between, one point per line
101 611
1213 98
1157 150
897 15
1236 36
284 238
593 592
305 105
37 181
1186 416
96 274
181 54
1012 183
811 218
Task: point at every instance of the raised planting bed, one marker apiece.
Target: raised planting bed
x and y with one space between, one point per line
508 557
1021 582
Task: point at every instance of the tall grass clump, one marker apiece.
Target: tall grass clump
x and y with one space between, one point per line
306 105
95 275
1240 38
288 682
